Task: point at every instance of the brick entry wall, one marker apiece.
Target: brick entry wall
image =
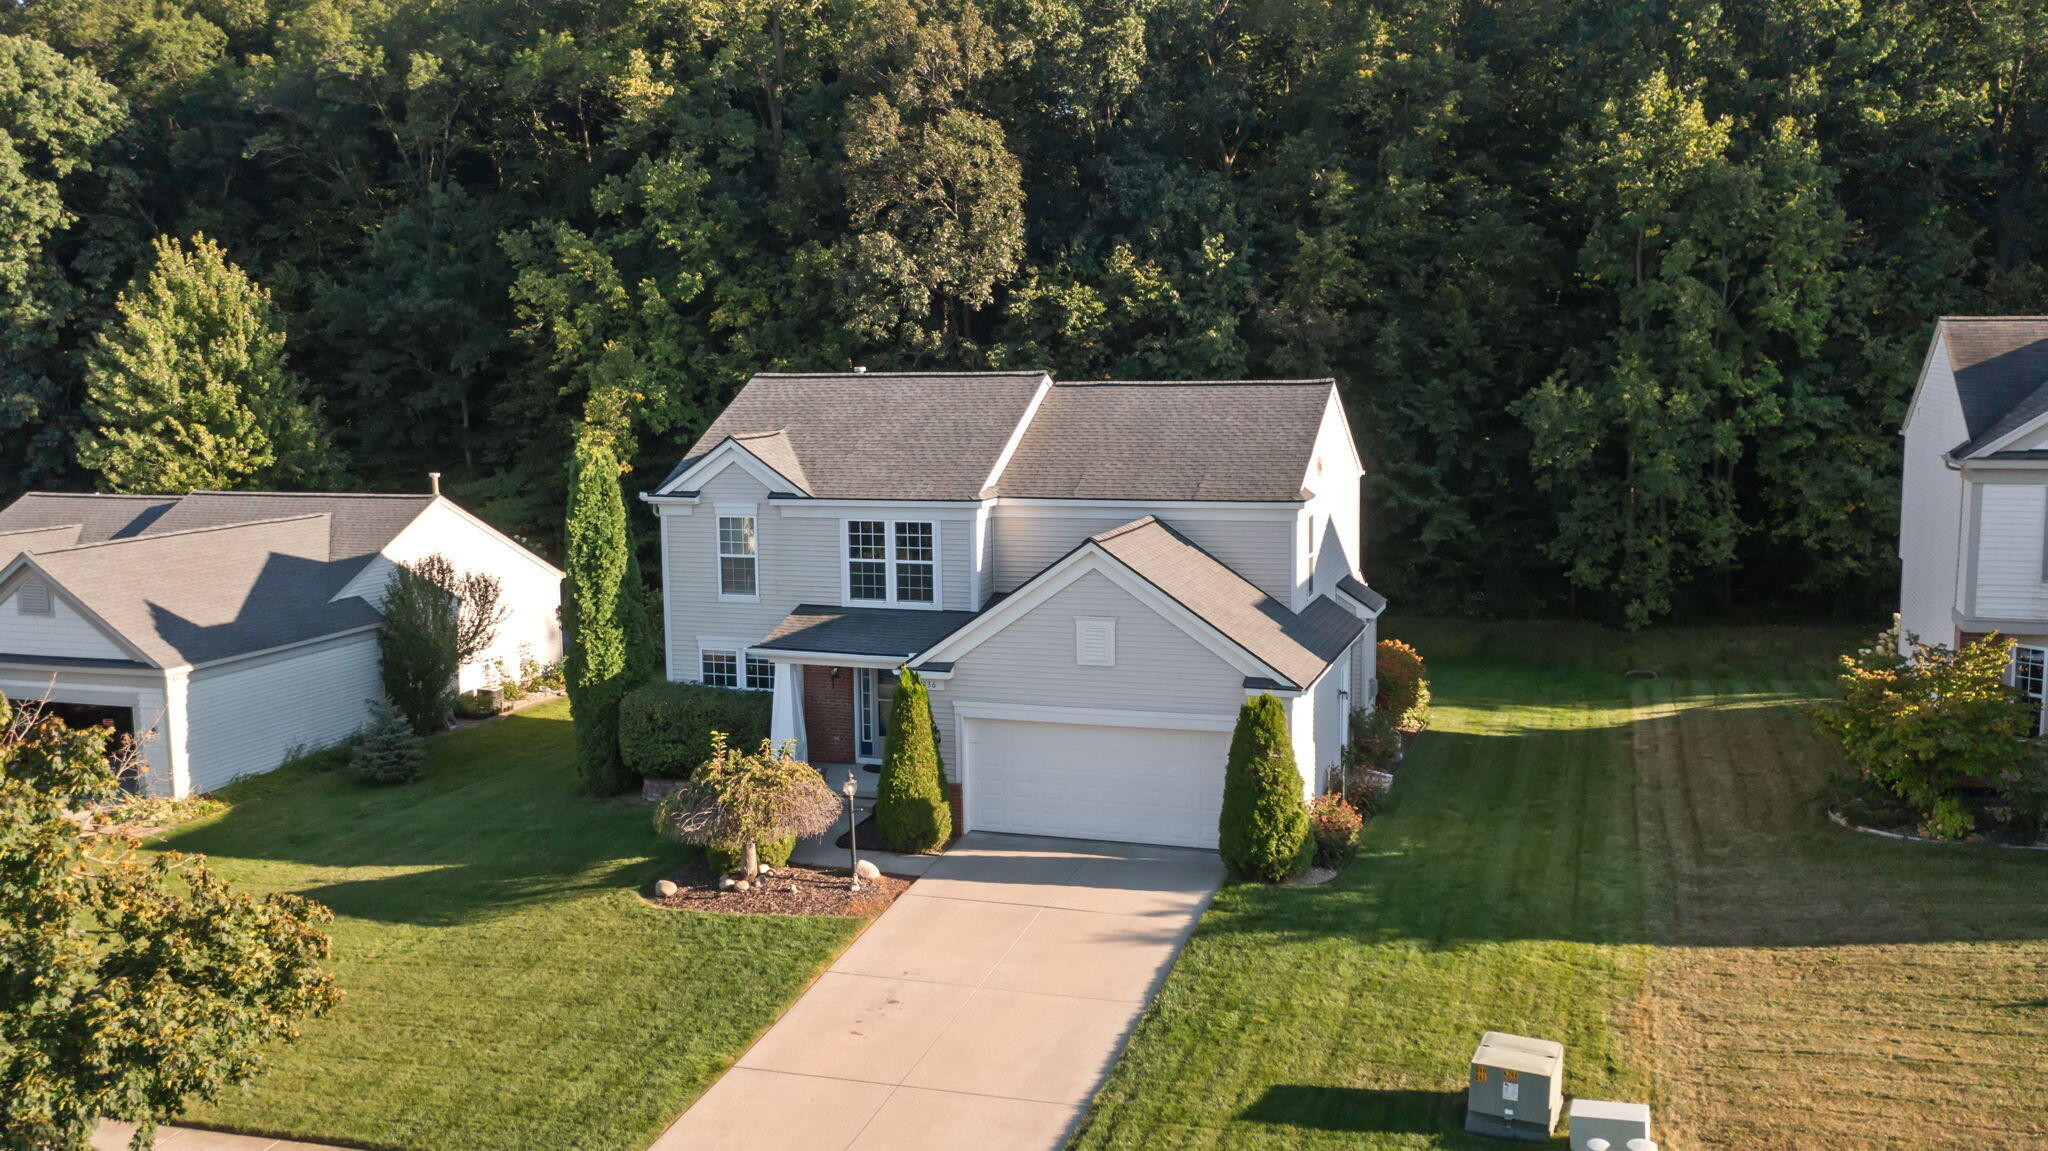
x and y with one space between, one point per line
828 713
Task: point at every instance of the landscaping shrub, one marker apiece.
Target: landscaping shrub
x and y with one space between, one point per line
665 729
773 852
478 704
1926 724
1264 828
1375 740
741 806
388 750
604 626
1334 825
1369 790
1404 685
2023 788
435 620
911 811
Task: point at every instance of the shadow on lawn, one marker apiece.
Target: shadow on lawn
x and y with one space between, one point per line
1359 1110
497 821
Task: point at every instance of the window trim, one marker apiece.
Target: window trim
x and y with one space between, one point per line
2040 697
744 652
889 562
720 514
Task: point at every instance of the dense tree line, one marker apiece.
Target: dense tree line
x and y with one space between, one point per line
1625 298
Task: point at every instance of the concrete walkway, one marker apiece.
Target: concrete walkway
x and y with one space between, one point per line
113 1136
981 1011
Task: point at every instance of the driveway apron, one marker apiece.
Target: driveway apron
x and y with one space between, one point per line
982 1010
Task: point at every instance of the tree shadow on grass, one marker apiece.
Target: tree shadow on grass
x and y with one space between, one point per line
1360 1110
454 896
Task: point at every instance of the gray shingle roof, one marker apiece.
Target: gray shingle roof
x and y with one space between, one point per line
99 517
1299 645
1355 588
362 523
13 543
2001 370
238 588
1143 440
883 631
881 435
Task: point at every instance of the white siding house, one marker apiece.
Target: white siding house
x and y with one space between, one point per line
225 631
1092 578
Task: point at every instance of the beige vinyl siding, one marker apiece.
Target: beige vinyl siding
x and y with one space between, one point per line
1159 667
2012 520
1258 545
64 632
245 717
799 560
1930 512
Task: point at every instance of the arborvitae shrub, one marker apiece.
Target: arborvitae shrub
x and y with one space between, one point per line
910 800
1264 829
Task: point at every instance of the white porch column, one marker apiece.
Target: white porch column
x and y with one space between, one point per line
786 714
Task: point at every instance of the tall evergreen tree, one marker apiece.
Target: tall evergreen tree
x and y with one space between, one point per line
1263 831
911 810
603 656
188 387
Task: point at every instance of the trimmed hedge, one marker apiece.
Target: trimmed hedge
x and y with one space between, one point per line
665 728
911 810
1263 833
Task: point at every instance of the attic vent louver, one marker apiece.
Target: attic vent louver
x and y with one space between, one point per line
1095 641
34 598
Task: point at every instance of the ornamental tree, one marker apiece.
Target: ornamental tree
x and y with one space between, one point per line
1263 833
604 631
736 802
911 810
187 387
435 620
1925 723
131 983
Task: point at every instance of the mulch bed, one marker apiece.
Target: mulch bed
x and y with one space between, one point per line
867 829
818 892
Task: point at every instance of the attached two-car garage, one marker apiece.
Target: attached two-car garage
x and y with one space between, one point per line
1095 781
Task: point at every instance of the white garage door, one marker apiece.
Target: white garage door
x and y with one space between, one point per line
1145 785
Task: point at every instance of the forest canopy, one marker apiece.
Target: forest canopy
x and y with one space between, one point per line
1625 299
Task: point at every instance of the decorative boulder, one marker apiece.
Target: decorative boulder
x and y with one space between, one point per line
866 870
767 870
663 888
726 882
742 886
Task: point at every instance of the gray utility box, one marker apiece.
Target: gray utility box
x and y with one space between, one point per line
1516 1090
1615 1122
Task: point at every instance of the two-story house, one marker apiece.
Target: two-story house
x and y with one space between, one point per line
1973 526
1090 577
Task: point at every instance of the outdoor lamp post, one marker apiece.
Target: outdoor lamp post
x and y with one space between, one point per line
852 831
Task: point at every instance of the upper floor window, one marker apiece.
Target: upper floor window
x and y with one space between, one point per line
892 561
2030 675
738 559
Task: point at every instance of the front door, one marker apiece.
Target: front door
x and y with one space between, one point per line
872 691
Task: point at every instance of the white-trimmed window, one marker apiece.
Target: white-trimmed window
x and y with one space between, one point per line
33 598
892 561
2030 675
1095 641
738 557
734 667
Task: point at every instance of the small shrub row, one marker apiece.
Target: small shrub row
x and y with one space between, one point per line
479 704
665 728
1336 826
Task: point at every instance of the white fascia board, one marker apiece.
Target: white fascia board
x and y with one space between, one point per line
838 508
1090 557
1968 466
666 505
1250 509
24 563
1095 717
730 453
239 657
1017 434
1361 610
831 658
2018 433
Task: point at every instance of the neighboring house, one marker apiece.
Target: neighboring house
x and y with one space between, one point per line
230 628
1973 522
1091 578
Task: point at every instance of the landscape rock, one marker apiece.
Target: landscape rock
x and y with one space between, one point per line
663 888
866 870
767 870
726 882
742 885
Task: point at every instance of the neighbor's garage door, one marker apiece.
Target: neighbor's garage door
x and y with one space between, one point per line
1096 782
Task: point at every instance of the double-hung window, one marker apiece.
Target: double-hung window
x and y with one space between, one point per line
738 557
735 667
892 561
2030 675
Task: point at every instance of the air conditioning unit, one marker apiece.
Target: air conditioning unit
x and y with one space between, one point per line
1621 1125
1516 1090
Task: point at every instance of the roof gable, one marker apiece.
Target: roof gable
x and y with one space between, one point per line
2000 365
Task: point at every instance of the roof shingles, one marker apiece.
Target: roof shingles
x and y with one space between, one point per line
2001 372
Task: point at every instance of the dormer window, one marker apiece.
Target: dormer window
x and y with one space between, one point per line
892 561
33 598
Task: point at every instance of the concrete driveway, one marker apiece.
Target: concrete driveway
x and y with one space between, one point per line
982 1010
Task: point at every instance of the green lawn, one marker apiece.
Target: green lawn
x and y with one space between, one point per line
505 987
1641 869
